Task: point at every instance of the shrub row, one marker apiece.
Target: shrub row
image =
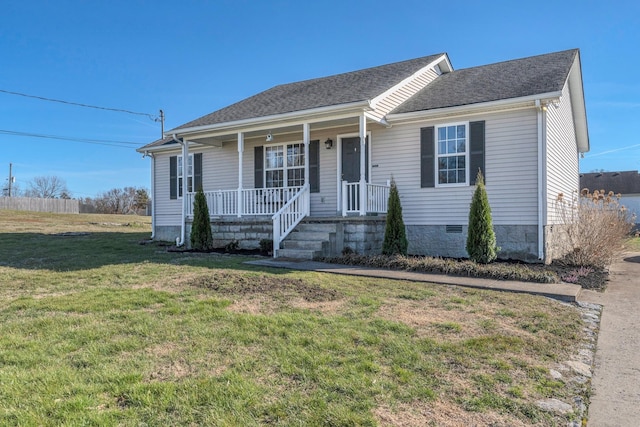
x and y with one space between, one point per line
499 271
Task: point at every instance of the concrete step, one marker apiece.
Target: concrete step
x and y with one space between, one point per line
316 245
298 253
309 235
325 227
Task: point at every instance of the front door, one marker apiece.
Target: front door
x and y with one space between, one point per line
350 170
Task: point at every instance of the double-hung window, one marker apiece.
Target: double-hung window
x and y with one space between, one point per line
181 174
284 165
452 154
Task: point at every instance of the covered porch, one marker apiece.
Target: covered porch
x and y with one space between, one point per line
285 165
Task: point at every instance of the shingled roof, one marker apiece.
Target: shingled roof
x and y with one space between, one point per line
626 182
361 85
503 80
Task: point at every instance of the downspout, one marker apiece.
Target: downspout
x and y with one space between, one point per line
185 159
542 182
153 196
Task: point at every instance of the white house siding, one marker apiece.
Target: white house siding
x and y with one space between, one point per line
406 91
511 171
168 212
562 155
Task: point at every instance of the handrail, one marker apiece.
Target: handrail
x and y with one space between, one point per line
289 216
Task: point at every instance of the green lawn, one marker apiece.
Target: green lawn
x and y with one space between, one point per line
98 329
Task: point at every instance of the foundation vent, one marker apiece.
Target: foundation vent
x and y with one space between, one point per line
454 229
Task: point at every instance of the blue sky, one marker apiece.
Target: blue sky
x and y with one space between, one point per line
190 58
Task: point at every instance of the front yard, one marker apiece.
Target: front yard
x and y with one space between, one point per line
97 329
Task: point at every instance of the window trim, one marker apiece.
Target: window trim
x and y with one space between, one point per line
285 168
437 155
179 175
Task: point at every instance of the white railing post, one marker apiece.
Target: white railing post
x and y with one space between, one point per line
344 198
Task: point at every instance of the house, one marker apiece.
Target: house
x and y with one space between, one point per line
308 164
625 183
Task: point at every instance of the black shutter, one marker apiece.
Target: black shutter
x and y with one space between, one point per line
476 153
258 168
314 166
197 172
366 159
427 157
173 177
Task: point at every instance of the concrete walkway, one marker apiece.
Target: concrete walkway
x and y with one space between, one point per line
616 380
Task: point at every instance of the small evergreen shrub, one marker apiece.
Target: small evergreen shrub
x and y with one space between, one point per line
266 246
395 235
481 239
201 238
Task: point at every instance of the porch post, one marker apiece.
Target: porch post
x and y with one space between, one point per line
363 186
240 152
185 199
305 138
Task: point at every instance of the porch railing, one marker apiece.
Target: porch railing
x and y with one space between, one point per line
376 197
290 215
255 201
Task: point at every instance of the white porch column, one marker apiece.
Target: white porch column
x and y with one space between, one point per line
240 152
306 137
363 186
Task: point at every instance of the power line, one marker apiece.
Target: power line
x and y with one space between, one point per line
108 142
119 110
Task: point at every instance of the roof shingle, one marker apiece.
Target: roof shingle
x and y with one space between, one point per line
626 182
503 80
339 89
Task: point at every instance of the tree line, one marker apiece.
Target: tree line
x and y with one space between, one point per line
126 200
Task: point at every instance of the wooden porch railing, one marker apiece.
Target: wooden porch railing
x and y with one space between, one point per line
377 197
254 201
290 215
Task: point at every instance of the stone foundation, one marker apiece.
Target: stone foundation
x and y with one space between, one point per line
363 235
518 242
556 243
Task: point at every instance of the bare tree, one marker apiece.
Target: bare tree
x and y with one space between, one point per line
47 187
16 191
125 200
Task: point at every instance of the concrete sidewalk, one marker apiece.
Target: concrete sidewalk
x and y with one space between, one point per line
616 380
563 292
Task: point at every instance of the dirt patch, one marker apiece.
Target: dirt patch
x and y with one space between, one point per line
441 414
243 284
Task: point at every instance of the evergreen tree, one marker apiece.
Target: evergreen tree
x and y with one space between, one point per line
201 238
481 239
395 236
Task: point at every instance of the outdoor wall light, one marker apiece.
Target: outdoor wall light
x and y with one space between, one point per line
328 143
269 137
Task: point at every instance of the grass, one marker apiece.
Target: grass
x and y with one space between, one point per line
98 329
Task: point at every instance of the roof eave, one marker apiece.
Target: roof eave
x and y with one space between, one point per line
462 109
266 120
576 91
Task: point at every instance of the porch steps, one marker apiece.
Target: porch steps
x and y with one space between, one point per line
310 240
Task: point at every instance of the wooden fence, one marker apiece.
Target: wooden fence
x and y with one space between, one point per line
40 205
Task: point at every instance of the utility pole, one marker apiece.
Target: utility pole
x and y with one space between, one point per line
10 178
161 124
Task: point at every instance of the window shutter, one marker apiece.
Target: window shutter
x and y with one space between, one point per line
366 159
314 166
427 158
197 171
173 177
476 153
258 168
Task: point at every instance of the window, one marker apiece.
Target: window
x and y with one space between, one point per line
452 154
181 175
284 165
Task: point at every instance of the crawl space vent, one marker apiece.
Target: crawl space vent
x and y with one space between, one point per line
454 229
